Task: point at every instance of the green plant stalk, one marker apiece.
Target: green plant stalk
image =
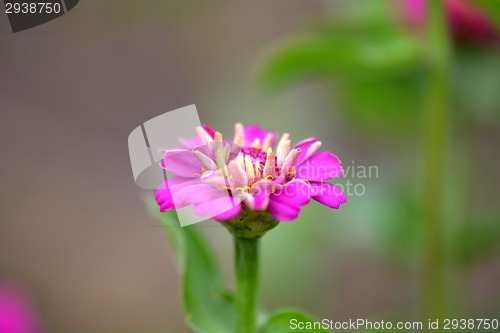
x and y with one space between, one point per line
436 115
247 283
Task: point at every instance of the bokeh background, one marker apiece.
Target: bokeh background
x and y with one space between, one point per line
75 235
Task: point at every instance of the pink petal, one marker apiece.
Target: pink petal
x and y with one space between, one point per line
220 208
252 132
258 199
181 162
257 202
283 212
296 192
328 194
414 12
286 200
163 194
207 200
214 179
304 147
469 22
321 166
209 129
233 212
191 194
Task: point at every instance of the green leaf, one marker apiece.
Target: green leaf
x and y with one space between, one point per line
208 306
390 104
377 52
282 321
378 72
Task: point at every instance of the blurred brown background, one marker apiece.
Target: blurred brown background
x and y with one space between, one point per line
73 229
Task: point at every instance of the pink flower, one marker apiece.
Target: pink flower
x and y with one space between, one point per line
467 21
209 169
16 314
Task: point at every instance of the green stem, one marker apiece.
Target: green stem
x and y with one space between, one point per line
247 284
434 158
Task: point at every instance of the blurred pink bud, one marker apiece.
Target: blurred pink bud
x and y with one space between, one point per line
468 23
16 313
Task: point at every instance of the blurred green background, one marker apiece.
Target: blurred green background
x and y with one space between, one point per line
356 74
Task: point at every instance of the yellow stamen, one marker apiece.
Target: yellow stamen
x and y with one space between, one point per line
240 160
253 185
238 134
218 137
290 161
249 167
269 168
243 189
226 152
221 163
258 169
238 140
205 161
256 143
267 142
283 150
284 137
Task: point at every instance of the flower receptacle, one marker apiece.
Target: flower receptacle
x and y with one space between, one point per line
250 224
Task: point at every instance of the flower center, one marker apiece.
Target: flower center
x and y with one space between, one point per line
253 167
255 155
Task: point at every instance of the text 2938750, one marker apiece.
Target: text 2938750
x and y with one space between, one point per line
32 8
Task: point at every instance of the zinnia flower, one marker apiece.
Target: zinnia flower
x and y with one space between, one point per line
467 21
208 170
16 313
